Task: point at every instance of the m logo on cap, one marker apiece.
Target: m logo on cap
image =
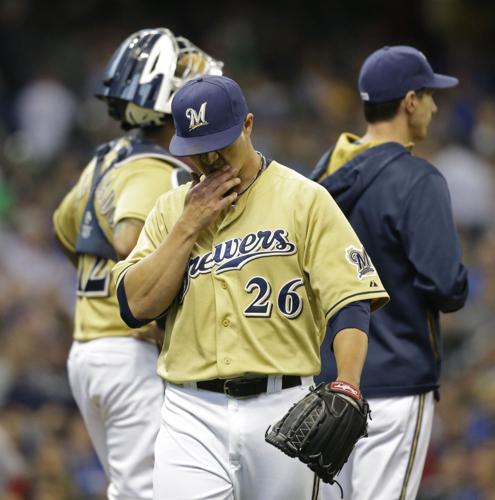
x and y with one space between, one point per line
196 118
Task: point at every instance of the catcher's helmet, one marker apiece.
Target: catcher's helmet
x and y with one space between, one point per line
144 73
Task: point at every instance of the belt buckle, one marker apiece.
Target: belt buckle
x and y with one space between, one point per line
226 389
235 387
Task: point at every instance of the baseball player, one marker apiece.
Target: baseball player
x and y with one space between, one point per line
111 368
399 206
246 266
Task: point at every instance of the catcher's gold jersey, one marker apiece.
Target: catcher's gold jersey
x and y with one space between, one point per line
260 285
128 190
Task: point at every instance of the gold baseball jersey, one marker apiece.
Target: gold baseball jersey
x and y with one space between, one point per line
261 283
126 185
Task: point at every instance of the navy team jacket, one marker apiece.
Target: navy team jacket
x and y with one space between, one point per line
399 205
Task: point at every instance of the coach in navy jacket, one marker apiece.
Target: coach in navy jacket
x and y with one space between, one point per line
399 205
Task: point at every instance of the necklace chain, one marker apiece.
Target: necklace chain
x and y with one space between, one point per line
258 173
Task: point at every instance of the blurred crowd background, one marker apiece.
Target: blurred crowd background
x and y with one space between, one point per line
298 63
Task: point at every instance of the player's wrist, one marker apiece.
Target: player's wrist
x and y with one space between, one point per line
188 229
345 387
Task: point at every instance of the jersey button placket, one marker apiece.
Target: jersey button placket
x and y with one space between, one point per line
227 338
223 348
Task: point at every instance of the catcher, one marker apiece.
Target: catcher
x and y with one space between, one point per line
111 368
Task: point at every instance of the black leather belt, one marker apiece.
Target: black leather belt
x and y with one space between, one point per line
244 387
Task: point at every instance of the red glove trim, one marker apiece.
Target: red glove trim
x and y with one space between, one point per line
345 388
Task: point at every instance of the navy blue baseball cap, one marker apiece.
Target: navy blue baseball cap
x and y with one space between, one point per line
391 72
208 113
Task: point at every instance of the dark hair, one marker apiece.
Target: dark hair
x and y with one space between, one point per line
375 112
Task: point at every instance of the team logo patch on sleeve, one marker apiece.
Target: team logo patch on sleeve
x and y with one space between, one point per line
360 259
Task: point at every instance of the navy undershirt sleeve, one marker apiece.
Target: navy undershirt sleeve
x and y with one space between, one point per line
353 315
125 311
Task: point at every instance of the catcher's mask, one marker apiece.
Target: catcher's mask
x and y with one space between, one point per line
144 73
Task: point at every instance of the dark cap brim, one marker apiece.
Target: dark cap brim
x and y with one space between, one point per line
188 146
442 82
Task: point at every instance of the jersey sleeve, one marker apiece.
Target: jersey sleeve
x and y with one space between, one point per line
67 216
64 221
138 187
339 268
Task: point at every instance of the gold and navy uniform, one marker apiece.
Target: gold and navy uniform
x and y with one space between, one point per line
261 284
122 181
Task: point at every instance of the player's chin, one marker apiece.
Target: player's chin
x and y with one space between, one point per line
420 133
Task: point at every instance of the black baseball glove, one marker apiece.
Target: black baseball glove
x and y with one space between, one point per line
322 428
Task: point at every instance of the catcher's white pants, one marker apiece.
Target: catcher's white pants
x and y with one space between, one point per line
119 395
388 464
212 447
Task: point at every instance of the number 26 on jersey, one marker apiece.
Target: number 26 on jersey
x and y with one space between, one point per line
289 302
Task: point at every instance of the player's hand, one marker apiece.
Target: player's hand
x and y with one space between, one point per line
207 198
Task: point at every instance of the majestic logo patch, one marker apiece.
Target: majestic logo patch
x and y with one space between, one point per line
361 260
197 118
232 255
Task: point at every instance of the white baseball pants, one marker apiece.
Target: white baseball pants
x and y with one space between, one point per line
388 464
119 395
212 447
